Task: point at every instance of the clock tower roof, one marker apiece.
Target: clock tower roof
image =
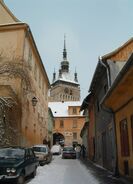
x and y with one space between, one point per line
65 86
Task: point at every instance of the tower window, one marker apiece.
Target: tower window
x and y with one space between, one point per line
71 92
74 135
74 123
61 123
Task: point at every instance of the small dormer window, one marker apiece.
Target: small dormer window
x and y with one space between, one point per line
74 110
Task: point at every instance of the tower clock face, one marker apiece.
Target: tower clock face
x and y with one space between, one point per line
66 90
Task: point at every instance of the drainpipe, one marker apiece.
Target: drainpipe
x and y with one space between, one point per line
106 66
116 168
107 70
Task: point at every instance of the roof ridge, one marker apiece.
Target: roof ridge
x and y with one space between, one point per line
106 56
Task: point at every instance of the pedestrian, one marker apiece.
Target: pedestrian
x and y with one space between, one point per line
49 145
45 141
83 151
78 151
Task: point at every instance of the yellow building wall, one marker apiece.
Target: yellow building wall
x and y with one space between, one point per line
5 15
71 110
68 129
12 42
125 113
35 122
15 48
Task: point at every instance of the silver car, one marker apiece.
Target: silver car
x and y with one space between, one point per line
43 153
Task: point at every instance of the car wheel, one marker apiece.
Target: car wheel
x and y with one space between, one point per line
34 173
21 179
42 164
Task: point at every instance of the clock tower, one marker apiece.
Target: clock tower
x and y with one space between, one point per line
64 87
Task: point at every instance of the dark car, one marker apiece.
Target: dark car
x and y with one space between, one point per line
16 163
68 152
43 153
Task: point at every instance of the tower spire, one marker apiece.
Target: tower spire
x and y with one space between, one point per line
54 75
64 50
64 63
75 76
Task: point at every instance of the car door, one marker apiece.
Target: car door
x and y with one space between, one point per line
33 161
28 167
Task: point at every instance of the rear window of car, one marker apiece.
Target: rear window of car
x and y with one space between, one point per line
40 149
12 153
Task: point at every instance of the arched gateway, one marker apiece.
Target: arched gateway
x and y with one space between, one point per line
58 138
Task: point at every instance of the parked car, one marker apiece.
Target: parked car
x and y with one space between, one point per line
56 149
43 153
68 152
16 163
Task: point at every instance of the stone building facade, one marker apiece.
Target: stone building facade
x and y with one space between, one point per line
23 80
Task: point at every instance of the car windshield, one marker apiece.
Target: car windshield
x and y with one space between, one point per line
40 149
11 153
68 149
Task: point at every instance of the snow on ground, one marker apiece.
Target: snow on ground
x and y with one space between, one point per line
63 171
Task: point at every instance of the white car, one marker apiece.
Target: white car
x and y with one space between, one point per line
56 149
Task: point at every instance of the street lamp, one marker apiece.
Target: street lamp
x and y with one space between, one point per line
34 101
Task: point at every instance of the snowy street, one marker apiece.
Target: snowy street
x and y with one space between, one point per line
71 171
63 171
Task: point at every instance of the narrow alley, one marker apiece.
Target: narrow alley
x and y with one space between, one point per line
64 171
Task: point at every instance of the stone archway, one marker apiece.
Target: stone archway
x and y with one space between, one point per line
58 138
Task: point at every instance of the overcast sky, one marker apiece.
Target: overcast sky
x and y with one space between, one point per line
92 28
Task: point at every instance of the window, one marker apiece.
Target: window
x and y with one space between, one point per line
74 135
61 123
74 123
132 129
74 110
124 138
71 92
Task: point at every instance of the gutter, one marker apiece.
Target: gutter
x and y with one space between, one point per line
107 70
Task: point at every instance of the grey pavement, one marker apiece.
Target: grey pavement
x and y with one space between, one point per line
104 176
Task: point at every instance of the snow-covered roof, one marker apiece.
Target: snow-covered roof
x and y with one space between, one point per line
66 76
60 109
